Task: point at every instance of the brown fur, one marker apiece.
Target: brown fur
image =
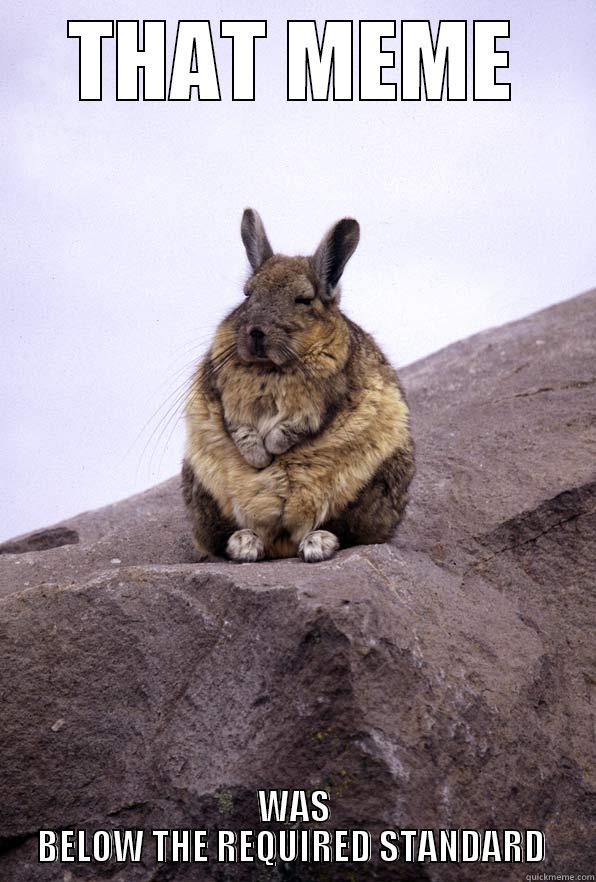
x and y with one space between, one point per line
323 415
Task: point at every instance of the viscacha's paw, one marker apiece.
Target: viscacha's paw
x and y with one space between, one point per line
318 545
244 546
278 441
250 444
256 456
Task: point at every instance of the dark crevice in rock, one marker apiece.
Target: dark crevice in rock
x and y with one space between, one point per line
529 393
10 843
129 807
574 384
42 540
530 526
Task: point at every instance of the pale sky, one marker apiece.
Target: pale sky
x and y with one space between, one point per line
121 246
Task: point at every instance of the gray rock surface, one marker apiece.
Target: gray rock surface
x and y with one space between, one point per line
445 680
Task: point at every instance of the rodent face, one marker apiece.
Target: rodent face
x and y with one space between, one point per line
283 316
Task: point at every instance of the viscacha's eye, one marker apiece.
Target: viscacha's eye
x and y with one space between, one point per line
305 300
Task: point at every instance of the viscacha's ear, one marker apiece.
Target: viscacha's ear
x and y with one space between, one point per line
333 253
258 249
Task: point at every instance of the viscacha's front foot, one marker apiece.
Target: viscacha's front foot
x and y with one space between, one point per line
250 444
278 440
244 546
317 546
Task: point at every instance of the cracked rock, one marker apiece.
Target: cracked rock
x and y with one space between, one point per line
443 680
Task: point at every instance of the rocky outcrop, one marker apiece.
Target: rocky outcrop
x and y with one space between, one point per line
445 680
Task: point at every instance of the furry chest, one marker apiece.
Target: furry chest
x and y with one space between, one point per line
262 401
258 409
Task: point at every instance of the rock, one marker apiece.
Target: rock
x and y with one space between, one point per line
440 681
54 537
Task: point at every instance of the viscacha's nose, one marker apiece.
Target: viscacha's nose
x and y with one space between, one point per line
257 339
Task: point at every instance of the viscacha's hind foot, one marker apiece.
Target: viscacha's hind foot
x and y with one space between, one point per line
244 546
318 545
